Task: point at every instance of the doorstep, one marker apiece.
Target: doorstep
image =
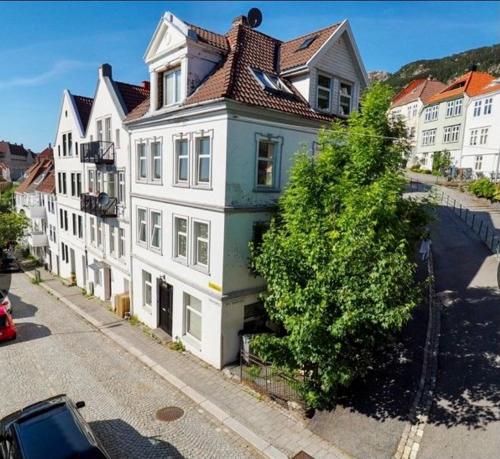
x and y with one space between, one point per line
162 336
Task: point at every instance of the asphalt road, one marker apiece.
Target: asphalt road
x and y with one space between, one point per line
464 419
58 352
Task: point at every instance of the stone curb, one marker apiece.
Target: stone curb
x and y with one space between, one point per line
413 432
257 442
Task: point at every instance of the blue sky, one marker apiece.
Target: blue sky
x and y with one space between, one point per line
47 47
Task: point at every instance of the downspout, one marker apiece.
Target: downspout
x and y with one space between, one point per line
128 194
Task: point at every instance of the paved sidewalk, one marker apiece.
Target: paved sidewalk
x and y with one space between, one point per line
267 428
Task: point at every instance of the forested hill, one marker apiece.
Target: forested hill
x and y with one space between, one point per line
487 59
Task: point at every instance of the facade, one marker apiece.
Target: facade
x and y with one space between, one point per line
92 174
407 106
17 158
441 123
481 149
210 154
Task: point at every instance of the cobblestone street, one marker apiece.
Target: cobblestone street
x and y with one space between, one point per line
58 352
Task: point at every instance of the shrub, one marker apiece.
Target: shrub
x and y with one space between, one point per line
483 188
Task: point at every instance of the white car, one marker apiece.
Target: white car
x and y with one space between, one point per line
5 302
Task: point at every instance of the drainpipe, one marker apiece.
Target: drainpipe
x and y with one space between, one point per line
128 192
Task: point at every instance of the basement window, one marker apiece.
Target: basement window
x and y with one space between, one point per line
270 82
307 42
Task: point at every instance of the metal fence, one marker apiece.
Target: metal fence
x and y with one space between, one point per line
266 379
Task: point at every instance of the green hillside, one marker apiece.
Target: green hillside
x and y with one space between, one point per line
447 68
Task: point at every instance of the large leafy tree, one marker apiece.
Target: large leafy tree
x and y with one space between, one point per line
338 256
12 226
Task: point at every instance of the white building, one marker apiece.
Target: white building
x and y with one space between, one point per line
211 152
92 164
408 103
441 122
481 150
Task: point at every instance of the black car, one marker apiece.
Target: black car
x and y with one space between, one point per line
53 429
8 264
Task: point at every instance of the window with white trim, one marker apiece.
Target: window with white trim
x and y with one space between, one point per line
155 160
121 187
429 137
181 160
112 235
324 92
80 226
142 162
92 230
267 159
203 160
156 230
142 226
99 130
107 129
451 133
473 136
345 98
483 136
431 113
91 181
147 289
488 103
477 107
180 242
99 234
478 162
192 312
201 244
172 86
121 242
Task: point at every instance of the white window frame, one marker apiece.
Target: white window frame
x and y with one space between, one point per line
196 239
99 129
477 108
121 187
488 106
99 234
431 113
177 157
147 285
154 227
188 310
350 96
451 134
177 92
483 136
478 163
140 159
428 137
92 230
121 242
199 157
276 162
139 224
154 158
112 241
91 180
473 136
328 89
180 258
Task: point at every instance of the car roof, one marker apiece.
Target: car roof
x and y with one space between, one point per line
56 433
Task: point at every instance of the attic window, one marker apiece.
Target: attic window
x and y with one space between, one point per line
307 42
271 82
456 86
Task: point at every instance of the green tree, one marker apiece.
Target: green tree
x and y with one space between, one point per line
440 162
6 197
12 226
338 256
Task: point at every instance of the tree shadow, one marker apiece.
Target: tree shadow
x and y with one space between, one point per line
122 441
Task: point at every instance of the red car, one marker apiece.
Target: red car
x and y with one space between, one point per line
7 327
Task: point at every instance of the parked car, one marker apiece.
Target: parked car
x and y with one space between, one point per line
9 264
7 328
52 428
4 301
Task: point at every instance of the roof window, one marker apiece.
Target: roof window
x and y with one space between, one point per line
307 42
271 82
460 84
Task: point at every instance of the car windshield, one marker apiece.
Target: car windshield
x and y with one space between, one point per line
55 433
3 321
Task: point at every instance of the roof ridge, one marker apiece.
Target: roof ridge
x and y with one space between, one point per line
83 97
131 84
314 31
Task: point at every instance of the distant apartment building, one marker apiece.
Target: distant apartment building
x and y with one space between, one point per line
16 158
481 146
211 151
441 124
407 105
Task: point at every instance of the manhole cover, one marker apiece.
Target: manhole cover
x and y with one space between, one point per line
169 413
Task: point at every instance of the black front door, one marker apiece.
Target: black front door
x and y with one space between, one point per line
165 304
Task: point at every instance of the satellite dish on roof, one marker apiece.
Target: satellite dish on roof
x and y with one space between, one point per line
103 199
254 18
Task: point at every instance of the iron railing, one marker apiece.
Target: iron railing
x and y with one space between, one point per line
97 152
89 203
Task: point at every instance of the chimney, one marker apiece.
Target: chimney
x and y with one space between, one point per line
473 68
105 71
50 145
240 20
146 84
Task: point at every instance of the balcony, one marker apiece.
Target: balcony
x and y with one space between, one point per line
38 239
97 152
37 212
90 204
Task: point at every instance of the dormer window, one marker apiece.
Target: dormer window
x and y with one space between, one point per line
345 98
172 86
270 82
324 92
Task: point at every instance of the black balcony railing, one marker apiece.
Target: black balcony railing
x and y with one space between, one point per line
90 204
97 152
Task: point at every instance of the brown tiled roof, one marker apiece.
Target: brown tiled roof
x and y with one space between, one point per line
132 95
83 106
19 150
139 111
470 83
234 80
421 88
48 153
48 184
211 38
292 56
32 174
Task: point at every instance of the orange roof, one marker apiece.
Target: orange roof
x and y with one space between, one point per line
421 88
48 184
45 165
493 86
470 83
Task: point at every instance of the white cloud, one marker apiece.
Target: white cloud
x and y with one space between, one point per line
58 69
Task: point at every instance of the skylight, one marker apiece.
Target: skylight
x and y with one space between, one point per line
270 81
307 42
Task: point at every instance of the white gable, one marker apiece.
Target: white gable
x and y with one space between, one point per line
340 60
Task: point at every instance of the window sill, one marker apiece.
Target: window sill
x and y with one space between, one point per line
202 269
207 187
156 250
266 190
192 341
181 261
181 185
